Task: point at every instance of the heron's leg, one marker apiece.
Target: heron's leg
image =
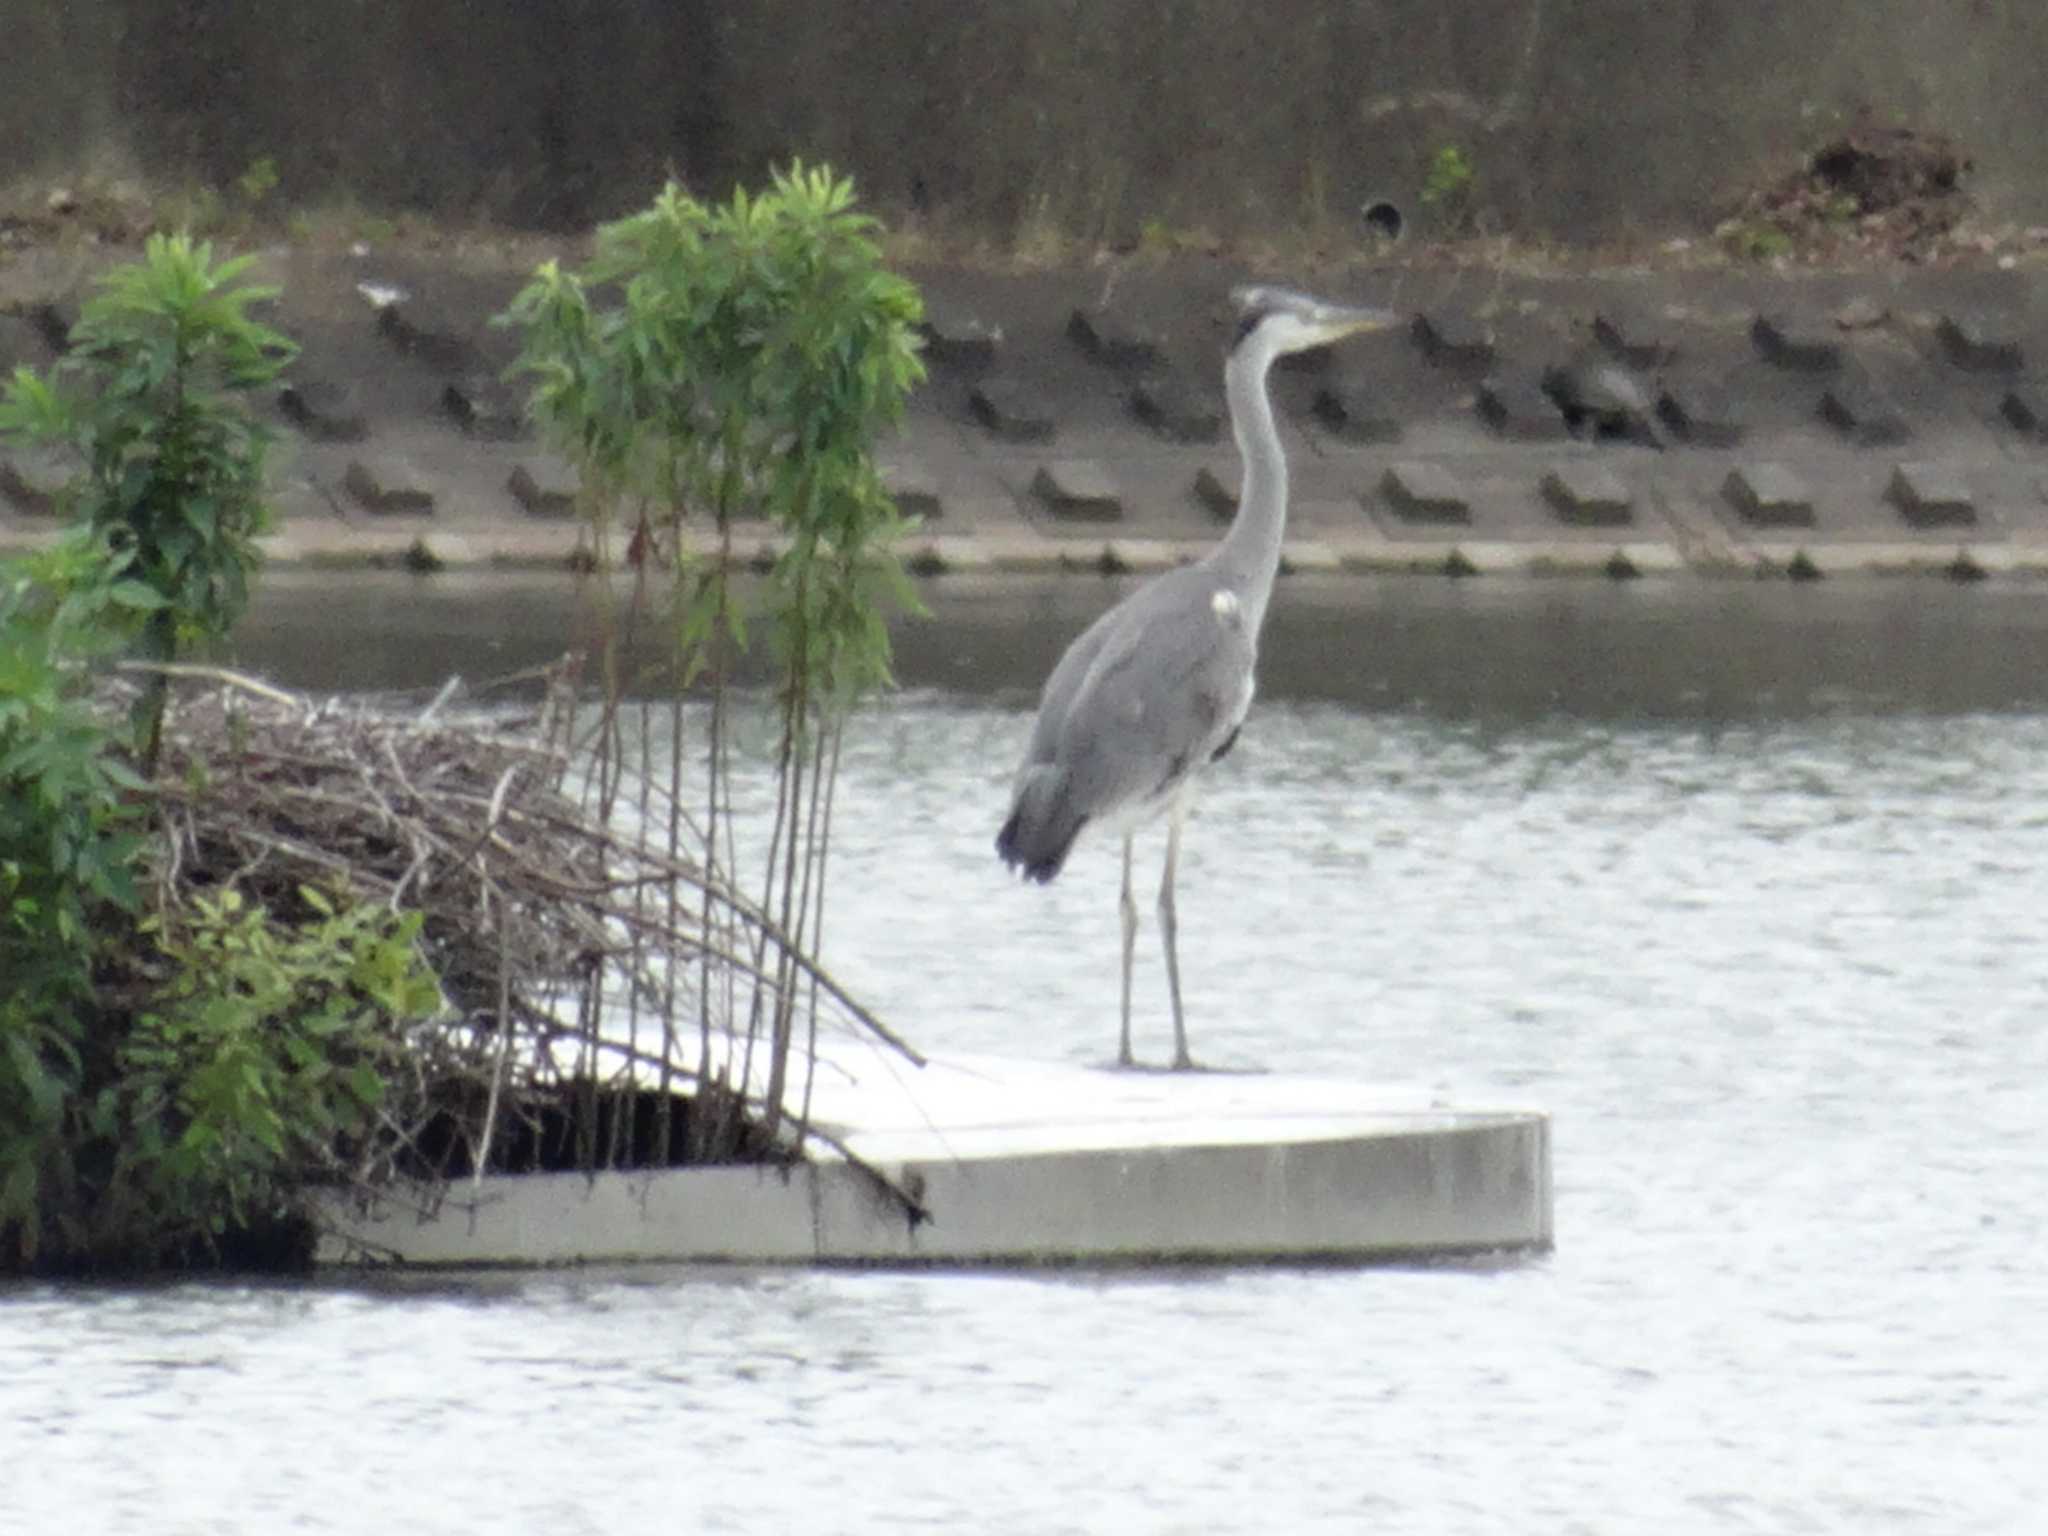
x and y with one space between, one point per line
1129 908
1168 931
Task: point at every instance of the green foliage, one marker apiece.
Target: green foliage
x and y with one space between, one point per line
743 361
263 1059
1450 186
1450 176
756 351
69 834
163 1077
151 396
64 843
1755 239
258 181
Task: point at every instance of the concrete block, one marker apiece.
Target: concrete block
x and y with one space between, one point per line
1354 410
1123 557
485 407
1584 493
388 488
1310 557
959 556
1768 495
1080 489
1011 410
430 348
1854 407
1703 415
1421 492
2024 407
1179 411
325 412
1978 345
544 488
1516 406
1633 339
1312 360
1453 339
1217 490
33 489
1793 346
960 342
1932 495
1113 340
913 487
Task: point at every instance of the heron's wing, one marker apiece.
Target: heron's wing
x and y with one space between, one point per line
1161 691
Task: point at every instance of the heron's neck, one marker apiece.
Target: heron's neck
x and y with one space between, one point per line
1249 556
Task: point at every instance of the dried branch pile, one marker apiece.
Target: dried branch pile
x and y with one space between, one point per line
546 925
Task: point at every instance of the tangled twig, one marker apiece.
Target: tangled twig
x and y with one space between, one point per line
532 915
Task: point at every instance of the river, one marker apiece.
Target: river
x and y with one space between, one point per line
1741 883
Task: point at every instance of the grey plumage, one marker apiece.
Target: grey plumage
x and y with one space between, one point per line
1156 688
1149 691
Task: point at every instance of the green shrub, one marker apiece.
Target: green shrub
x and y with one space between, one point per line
734 360
1450 188
166 1075
70 830
262 1062
152 396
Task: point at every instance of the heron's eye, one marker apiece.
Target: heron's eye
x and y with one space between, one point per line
1245 326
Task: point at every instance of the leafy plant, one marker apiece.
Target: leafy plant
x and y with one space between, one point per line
263 1058
743 362
258 181
151 396
164 1077
1449 187
69 835
1755 239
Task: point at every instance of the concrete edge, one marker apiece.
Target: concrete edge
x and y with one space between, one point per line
1458 1185
429 550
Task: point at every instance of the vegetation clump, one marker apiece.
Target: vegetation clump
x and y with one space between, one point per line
1869 190
169 1059
714 363
255 943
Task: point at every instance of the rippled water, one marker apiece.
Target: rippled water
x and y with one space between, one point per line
1777 971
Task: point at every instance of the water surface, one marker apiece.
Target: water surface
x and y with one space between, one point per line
1767 940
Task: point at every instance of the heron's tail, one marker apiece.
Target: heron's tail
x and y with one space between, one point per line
1042 825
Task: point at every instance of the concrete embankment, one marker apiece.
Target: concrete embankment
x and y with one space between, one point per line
1709 419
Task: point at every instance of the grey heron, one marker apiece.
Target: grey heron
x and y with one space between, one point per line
1155 690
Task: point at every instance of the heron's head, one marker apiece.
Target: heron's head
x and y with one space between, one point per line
1281 320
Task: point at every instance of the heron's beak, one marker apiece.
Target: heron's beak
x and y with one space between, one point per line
1339 321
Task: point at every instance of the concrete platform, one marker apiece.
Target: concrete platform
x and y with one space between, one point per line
1027 1163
